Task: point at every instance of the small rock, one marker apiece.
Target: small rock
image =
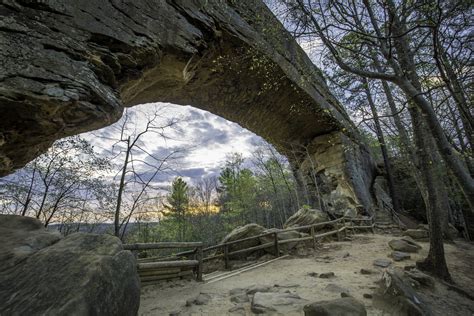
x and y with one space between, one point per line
399 255
346 254
344 294
327 275
366 271
201 299
175 313
239 298
290 285
367 295
238 309
258 288
236 291
313 274
340 306
382 263
331 287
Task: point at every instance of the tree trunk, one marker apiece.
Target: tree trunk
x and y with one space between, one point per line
120 192
383 147
435 262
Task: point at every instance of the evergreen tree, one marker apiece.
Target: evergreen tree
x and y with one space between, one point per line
178 202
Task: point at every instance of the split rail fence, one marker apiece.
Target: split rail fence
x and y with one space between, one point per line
154 269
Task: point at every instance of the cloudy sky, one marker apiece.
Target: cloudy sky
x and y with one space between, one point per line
198 143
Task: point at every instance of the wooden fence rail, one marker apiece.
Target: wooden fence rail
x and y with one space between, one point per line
159 268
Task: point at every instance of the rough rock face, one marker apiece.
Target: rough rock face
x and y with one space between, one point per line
306 216
81 274
70 67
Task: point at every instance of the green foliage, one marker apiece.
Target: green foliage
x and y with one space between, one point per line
178 202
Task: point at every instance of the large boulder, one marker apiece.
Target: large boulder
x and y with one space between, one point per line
281 236
81 274
306 216
243 232
346 306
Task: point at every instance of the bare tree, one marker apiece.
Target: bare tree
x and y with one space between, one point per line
138 167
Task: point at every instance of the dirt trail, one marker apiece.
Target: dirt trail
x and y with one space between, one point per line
345 259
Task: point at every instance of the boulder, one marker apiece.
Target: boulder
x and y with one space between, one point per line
281 236
239 298
346 306
237 309
383 263
81 274
411 241
399 255
452 231
201 299
421 278
258 288
397 288
306 216
243 232
403 245
418 234
327 275
281 303
331 287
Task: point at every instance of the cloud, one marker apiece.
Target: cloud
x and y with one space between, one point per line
199 145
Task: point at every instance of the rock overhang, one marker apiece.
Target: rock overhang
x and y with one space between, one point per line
73 67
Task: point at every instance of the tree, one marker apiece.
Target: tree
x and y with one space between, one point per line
238 190
177 204
138 167
60 184
389 41
372 32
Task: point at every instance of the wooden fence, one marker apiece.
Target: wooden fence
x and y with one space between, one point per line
159 268
154 270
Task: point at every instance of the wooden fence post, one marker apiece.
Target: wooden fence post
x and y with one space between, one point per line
312 237
199 267
226 257
277 246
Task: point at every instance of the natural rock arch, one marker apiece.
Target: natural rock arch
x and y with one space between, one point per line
71 67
